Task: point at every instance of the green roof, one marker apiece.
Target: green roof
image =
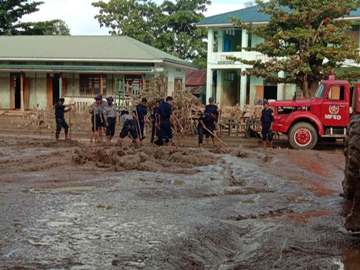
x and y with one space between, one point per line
82 48
250 14
77 68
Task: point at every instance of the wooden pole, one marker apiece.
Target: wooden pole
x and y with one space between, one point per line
101 84
62 91
177 136
95 135
70 125
22 92
215 136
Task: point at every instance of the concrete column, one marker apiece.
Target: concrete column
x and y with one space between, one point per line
209 82
22 81
171 84
219 86
243 92
280 87
210 42
221 41
244 39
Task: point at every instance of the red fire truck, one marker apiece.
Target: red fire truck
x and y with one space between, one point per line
322 117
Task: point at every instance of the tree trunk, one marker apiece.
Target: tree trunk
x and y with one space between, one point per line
309 88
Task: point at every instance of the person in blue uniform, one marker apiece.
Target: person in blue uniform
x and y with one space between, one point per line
141 116
154 131
212 108
207 123
165 121
60 119
267 118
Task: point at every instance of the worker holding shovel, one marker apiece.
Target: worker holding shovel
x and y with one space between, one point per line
110 112
165 121
60 119
207 127
97 118
141 117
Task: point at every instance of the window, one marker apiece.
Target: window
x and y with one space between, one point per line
320 91
230 32
336 92
90 84
229 76
178 84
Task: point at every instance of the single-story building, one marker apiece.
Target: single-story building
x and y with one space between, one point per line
35 71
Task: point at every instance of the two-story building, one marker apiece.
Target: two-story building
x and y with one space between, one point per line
35 71
224 79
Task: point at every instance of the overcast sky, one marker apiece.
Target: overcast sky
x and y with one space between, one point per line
79 14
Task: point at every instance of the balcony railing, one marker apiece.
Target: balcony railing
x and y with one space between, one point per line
221 58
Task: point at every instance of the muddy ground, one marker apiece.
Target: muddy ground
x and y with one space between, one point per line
72 205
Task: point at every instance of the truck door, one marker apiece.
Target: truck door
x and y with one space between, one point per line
335 109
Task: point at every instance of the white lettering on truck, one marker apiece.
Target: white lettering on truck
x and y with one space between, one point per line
333 117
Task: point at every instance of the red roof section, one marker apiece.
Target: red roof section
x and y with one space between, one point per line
196 77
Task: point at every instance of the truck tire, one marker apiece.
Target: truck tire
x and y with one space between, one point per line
351 183
303 135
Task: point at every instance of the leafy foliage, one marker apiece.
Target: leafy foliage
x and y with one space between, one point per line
11 11
170 27
304 38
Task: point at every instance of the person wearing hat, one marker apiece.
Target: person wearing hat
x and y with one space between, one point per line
98 121
141 116
60 119
110 118
212 108
207 127
267 118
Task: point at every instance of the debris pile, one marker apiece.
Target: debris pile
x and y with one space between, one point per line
42 119
352 173
253 112
185 107
231 112
170 160
234 112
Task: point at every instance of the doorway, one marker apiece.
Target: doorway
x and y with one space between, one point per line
270 92
15 90
53 89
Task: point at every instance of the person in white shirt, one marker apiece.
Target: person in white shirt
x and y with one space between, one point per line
129 127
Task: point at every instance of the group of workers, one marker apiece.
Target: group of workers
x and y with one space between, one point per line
104 120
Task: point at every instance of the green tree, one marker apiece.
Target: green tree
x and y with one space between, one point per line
11 11
170 27
54 27
304 38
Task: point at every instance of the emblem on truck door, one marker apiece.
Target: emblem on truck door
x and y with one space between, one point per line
334 109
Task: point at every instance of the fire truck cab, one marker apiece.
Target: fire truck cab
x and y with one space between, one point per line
325 116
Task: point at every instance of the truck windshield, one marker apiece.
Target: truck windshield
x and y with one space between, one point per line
320 91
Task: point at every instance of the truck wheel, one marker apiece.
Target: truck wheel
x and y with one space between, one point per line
303 136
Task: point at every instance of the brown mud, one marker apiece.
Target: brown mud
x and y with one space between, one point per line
72 205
